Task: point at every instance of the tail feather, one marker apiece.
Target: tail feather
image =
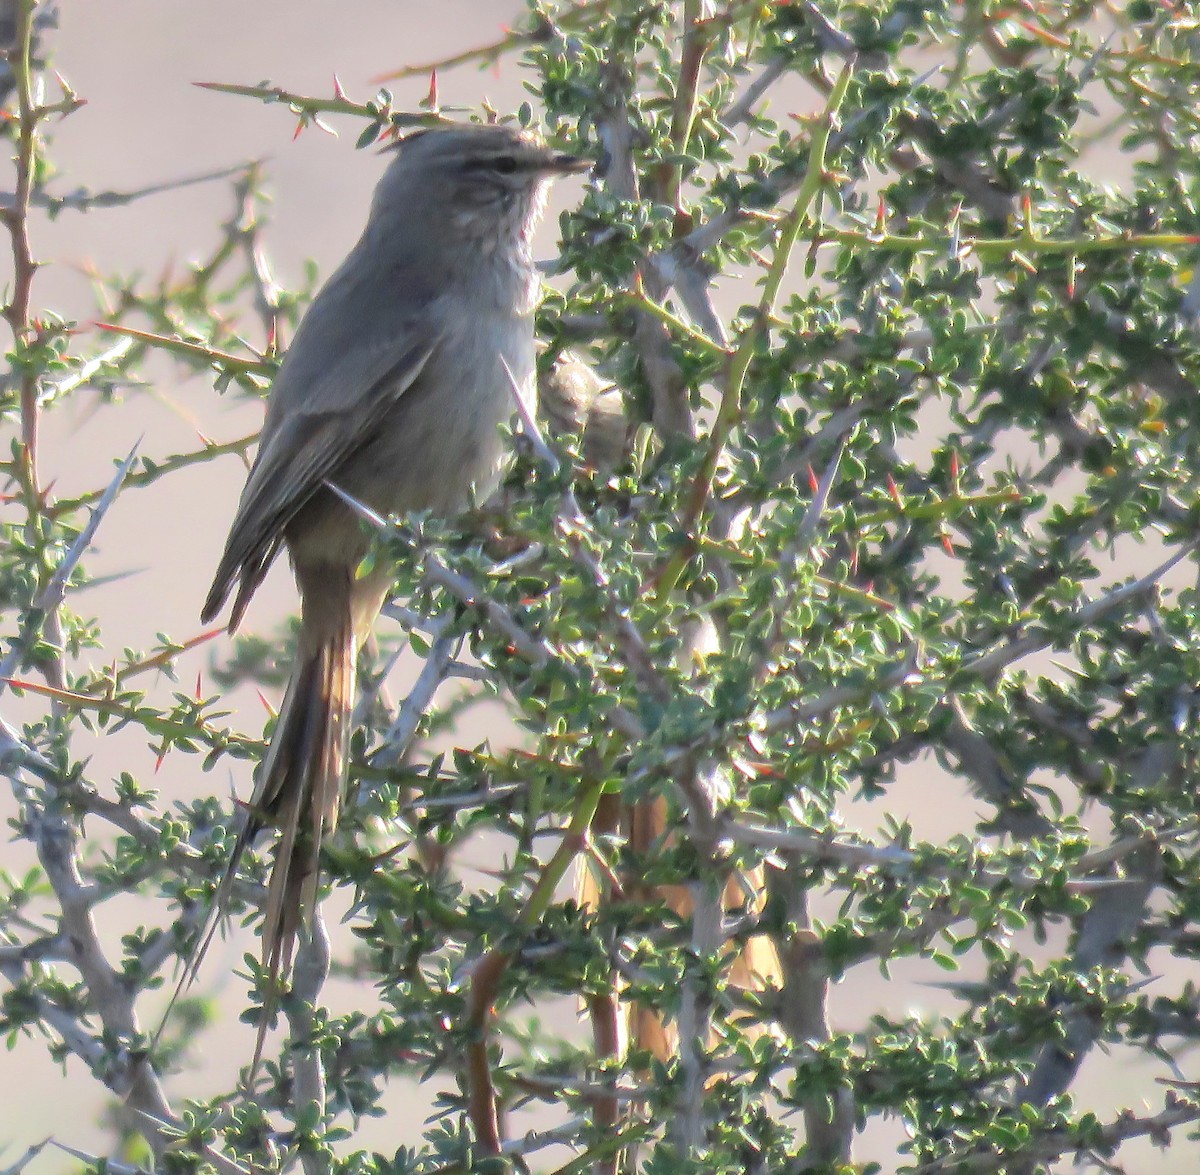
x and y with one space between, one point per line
305 777
299 790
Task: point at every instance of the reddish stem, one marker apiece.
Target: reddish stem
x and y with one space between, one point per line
17 220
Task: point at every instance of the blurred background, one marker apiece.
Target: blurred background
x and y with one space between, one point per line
146 123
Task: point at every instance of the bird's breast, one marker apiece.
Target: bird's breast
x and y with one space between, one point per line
441 440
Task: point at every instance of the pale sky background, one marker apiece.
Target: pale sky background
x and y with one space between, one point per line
134 62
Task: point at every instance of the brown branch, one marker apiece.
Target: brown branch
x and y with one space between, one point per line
210 356
482 1106
16 218
118 675
487 971
696 37
604 1012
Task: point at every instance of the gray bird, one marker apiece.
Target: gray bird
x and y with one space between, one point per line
393 390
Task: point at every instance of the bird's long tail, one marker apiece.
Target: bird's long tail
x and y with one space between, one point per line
303 777
299 791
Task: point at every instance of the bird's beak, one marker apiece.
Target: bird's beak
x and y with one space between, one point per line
562 164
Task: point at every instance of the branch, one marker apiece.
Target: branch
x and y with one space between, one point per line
986 665
83 200
438 666
222 361
309 109
671 410
578 15
147 717
829 1116
696 998
729 410
488 970
87 371
16 219
1104 935
161 468
308 1071
1045 1146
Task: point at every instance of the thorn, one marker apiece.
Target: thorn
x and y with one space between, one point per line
813 483
431 99
159 761
1044 35
894 490
955 226
199 679
360 508
1020 259
300 125
338 92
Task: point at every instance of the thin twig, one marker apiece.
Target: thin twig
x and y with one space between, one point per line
52 595
83 200
16 218
308 1070
439 662
85 373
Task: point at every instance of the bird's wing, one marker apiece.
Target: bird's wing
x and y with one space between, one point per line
340 378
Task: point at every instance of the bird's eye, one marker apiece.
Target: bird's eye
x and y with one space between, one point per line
504 164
